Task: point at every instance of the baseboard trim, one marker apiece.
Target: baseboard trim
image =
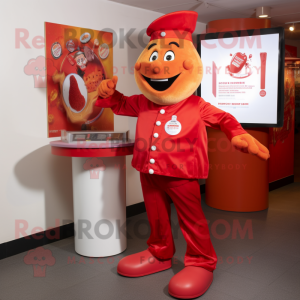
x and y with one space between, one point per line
135 209
281 182
65 231
36 240
202 188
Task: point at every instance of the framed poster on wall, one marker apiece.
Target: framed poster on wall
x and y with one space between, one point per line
79 59
244 74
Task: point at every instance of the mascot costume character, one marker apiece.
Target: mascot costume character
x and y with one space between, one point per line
170 150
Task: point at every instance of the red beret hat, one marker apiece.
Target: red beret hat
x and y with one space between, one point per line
178 24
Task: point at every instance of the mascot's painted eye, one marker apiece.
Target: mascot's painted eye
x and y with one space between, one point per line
169 56
154 56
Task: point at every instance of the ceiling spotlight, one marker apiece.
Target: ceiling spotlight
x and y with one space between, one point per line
292 25
263 12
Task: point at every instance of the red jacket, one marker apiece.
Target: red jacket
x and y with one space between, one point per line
180 148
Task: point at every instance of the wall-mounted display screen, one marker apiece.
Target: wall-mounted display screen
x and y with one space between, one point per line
243 74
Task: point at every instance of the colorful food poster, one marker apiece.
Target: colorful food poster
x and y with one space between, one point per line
79 59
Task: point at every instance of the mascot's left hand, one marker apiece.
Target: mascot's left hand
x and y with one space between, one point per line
248 144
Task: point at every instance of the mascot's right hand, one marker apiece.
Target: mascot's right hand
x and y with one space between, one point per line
107 87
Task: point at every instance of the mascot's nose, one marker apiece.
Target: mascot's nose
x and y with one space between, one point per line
188 64
137 66
156 67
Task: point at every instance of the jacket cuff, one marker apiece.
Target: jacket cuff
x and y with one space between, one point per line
232 133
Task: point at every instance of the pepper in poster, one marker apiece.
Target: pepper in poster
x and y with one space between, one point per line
82 58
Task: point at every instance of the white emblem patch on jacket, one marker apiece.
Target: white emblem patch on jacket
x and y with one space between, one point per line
173 126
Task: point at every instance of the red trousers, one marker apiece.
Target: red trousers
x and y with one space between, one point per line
185 193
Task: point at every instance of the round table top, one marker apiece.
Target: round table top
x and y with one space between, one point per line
91 149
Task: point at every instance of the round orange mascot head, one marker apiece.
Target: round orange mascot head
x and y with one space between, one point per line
169 69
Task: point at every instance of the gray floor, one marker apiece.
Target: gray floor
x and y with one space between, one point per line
266 266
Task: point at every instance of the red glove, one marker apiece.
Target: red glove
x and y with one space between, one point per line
107 87
248 144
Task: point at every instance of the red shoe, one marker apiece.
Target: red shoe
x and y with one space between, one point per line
142 264
191 282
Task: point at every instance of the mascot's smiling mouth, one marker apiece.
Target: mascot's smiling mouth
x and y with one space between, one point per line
161 84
